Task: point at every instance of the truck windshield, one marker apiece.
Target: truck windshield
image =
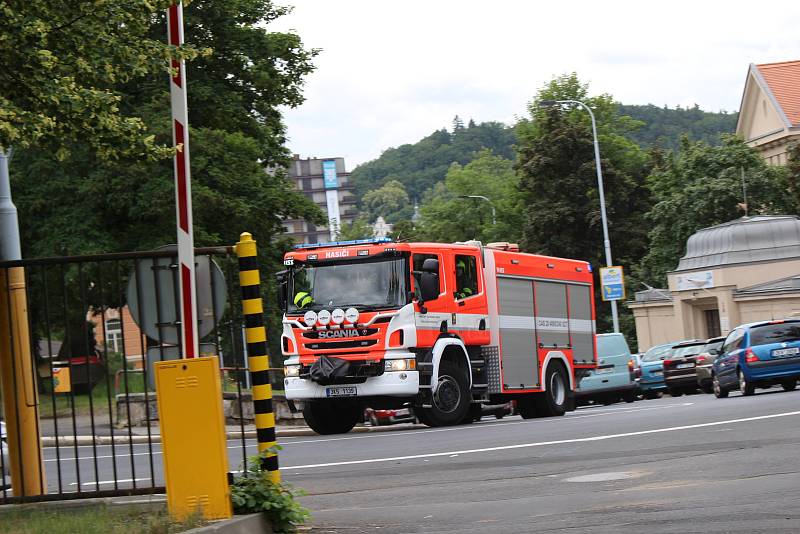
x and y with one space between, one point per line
362 285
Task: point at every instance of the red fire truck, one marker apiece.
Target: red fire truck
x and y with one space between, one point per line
440 327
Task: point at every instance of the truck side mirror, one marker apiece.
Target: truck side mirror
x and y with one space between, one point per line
282 279
429 284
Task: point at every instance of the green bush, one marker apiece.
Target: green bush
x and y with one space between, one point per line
254 492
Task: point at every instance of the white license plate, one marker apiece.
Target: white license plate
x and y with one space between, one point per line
684 365
604 370
349 391
783 353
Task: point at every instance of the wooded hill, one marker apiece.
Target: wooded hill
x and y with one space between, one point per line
421 165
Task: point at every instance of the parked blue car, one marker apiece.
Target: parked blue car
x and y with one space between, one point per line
614 378
758 355
651 383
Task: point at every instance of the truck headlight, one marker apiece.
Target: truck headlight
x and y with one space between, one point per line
291 370
406 364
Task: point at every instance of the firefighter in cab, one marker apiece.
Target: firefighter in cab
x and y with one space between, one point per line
302 299
466 285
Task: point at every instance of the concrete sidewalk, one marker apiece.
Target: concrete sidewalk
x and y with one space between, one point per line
139 434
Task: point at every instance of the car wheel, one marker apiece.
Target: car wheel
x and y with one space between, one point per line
789 385
719 391
629 396
745 387
452 399
651 395
675 392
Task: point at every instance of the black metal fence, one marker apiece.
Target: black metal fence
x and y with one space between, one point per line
97 324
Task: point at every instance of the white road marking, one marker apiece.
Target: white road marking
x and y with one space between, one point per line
544 443
389 434
483 425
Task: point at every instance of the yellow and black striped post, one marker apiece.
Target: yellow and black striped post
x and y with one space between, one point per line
258 361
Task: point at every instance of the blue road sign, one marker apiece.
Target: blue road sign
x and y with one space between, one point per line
612 283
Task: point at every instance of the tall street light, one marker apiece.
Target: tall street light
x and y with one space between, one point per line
606 240
481 197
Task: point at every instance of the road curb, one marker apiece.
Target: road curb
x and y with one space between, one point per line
71 441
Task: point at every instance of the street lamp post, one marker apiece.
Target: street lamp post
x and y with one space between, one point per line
481 197
606 240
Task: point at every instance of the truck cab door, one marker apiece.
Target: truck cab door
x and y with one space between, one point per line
429 314
469 319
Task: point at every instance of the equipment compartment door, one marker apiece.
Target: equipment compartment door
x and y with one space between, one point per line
517 333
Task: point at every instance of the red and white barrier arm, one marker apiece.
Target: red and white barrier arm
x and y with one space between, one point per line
183 188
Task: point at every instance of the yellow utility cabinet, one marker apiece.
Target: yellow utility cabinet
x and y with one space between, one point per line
193 437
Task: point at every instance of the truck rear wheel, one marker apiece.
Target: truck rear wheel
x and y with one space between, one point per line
553 401
452 399
331 416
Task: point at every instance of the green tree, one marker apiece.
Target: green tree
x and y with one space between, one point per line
389 201
405 231
63 63
792 179
236 137
86 203
700 186
559 182
356 229
447 216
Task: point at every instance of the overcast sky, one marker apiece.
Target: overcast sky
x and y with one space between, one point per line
392 72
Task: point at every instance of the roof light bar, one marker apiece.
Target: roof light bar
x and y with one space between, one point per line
373 241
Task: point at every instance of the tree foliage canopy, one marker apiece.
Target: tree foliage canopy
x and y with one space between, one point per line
663 127
447 215
63 63
389 201
236 142
558 179
700 186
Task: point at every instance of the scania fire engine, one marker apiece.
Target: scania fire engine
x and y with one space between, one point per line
442 328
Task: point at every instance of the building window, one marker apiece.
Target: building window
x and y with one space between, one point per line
712 323
114 335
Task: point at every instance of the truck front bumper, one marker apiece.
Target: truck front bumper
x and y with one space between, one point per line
391 383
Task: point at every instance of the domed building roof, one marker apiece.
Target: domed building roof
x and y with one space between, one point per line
744 240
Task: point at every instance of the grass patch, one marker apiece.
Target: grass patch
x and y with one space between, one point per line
99 400
92 520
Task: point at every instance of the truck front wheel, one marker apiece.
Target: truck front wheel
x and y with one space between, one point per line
331 416
452 399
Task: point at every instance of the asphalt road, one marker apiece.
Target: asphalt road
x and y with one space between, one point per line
688 464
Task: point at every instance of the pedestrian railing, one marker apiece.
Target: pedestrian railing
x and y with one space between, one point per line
95 327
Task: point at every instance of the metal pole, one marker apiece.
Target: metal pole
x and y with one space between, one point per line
183 188
606 240
20 399
9 225
257 359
